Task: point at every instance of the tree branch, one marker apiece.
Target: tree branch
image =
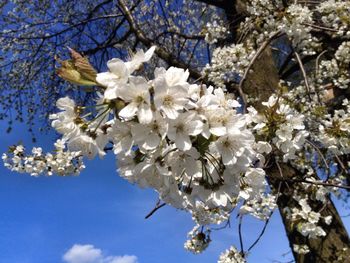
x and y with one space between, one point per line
161 52
217 3
158 206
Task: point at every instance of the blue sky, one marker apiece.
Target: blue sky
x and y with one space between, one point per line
42 218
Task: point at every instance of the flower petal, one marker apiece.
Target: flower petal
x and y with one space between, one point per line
128 111
145 114
183 142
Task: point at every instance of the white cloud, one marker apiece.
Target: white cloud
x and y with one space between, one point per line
121 259
89 254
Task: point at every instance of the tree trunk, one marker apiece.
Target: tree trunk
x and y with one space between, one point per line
335 246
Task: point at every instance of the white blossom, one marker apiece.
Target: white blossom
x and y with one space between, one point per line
231 256
139 99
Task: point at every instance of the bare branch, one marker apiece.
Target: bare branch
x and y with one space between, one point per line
155 209
240 233
161 52
260 235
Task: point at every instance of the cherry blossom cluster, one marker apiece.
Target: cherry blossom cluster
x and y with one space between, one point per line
334 131
295 20
214 31
317 132
336 70
301 249
297 25
229 62
308 222
186 141
308 219
203 215
283 125
260 208
81 134
231 256
264 22
328 130
198 241
61 162
268 17
335 15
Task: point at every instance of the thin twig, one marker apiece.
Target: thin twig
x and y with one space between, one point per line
227 224
317 66
161 52
319 151
261 233
347 187
240 234
318 60
158 206
304 74
328 184
281 173
341 164
267 220
320 27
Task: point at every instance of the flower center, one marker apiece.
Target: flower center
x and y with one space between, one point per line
180 128
139 99
168 101
155 127
226 144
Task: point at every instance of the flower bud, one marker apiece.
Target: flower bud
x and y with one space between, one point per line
77 70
